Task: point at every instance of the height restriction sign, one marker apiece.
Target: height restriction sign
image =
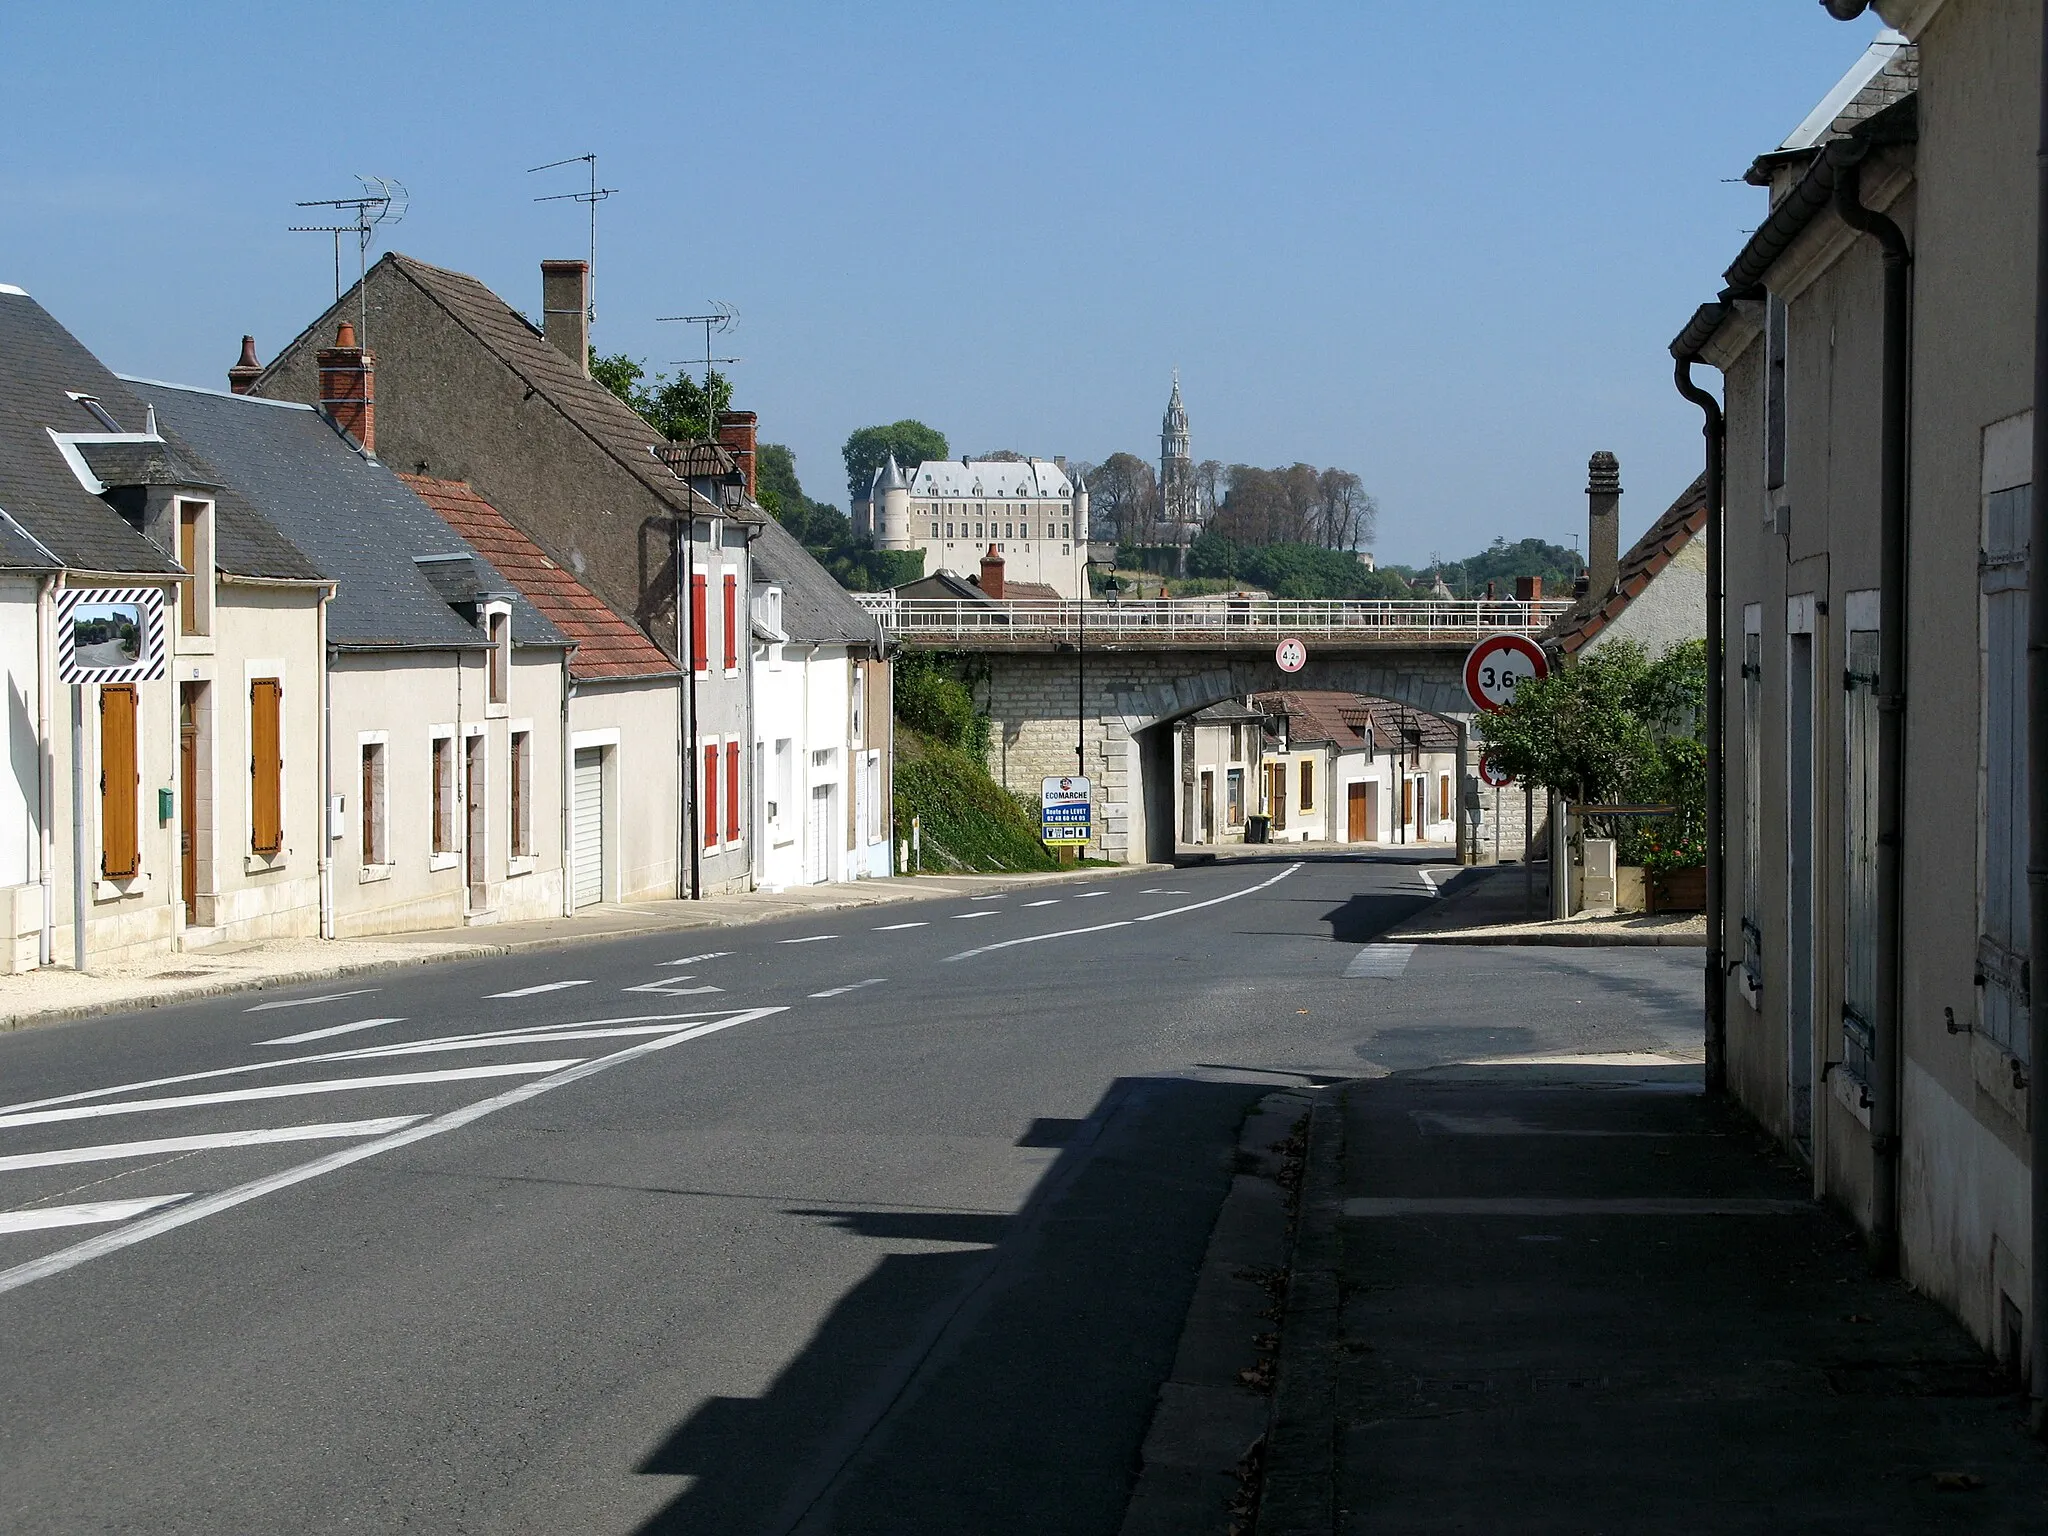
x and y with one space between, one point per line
1497 665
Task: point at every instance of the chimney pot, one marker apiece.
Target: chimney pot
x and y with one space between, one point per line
243 376
737 431
1603 522
565 309
992 574
348 387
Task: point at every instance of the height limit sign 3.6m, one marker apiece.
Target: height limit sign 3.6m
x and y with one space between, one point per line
1498 665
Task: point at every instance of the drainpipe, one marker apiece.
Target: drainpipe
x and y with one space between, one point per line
1714 427
46 778
2037 780
1891 712
326 827
568 792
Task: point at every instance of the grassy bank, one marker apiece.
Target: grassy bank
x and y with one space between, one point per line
967 820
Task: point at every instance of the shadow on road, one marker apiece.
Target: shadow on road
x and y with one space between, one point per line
1002 1386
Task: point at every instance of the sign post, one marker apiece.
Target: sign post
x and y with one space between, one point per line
104 635
1066 812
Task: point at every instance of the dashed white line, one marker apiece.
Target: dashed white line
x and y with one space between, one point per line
998 896
282 1091
1068 933
716 954
93 1213
958 915
307 1002
546 986
1051 901
329 1031
898 927
1214 901
405 1134
1086 894
1156 891
116 1151
815 938
872 981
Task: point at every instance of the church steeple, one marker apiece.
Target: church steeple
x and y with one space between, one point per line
1179 507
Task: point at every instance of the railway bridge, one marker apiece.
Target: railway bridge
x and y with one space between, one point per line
1101 684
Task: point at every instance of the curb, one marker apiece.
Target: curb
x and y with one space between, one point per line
1201 1449
1556 940
257 982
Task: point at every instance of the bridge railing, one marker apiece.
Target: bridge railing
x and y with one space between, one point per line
1156 619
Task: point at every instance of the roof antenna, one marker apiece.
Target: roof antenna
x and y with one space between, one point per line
723 317
594 196
382 201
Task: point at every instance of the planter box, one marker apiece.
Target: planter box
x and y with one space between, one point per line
1679 890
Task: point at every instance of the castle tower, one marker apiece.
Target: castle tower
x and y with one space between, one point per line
891 502
1179 508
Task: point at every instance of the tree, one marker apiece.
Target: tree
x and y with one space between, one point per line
867 449
680 409
1005 456
1346 516
1208 488
1123 498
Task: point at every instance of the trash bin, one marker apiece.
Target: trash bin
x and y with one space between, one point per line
1258 829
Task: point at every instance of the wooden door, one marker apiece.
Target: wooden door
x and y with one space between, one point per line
1356 803
476 819
1208 807
188 796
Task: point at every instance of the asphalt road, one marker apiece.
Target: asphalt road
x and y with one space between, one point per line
879 1221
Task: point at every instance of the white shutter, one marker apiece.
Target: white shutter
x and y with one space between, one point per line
589 826
821 838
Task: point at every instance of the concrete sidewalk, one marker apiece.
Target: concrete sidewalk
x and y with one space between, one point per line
1492 905
1576 1298
60 993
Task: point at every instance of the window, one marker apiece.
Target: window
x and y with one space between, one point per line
949 530
1233 796
1776 317
2004 908
120 783
1066 531
498 628
444 794
871 782
729 616
935 530
266 766
522 794
1752 804
978 533
1276 794
700 645
1859 991
707 796
782 784
1237 743
191 555
732 791
1443 797
1308 786
375 850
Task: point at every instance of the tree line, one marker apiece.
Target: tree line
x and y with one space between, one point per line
1299 504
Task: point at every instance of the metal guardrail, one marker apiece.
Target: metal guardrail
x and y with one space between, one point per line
1169 619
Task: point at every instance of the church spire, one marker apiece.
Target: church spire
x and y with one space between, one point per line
1179 508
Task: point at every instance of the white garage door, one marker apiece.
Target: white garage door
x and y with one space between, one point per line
589 825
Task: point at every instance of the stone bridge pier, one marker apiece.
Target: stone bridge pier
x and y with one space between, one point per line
1042 706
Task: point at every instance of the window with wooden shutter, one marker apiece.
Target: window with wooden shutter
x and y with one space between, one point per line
373 804
732 790
522 794
1308 786
1859 914
700 643
120 783
1276 795
707 797
266 765
731 619
444 794
2003 905
1752 793
189 557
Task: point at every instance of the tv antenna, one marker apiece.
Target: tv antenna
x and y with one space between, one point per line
382 201
593 197
722 318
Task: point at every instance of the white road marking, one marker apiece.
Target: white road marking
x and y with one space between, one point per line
1086 894
999 896
716 954
872 981
109 1152
307 1002
1380 962
332 1029
1429 880
813 939
546 986
1050 901
958 915
1156 891
670 989
93 1213
897 927
208 1205
358 1053
283 1091
1069 933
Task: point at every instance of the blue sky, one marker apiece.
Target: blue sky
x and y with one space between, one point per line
1442 245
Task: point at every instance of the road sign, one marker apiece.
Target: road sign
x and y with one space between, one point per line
1497 665
1291 654
1491 774
1066 810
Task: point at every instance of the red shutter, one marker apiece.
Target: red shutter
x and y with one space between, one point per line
732 782
732 624
700 643
266 766
120 773
707 795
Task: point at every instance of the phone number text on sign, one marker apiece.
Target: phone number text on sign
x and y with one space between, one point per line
1498 665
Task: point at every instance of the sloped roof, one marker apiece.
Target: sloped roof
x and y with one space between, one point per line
607 647
814 606
1342 719
516 342
989 477
19 550
366 529
1656 549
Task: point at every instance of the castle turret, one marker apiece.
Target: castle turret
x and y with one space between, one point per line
891 497
1080 510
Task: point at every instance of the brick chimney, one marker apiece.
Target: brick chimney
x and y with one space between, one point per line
1603 522
348 387
565 309
243 376
992 574
736 433
1528 589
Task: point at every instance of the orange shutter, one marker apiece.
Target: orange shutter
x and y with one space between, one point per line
700 643
731 617
732 787
266 765
120 775
707 797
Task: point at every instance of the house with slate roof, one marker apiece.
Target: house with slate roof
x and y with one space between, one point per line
200 817
1346 767
625 713
823 708
446 689
465 387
